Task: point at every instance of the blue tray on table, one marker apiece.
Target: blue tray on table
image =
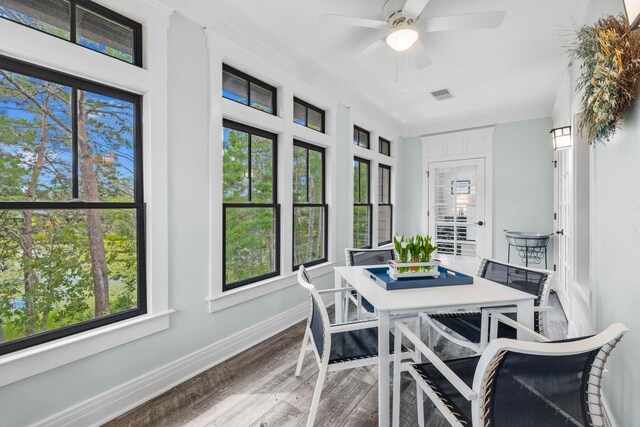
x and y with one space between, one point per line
447 277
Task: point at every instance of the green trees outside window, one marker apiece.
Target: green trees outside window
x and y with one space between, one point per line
71 205
362 221
385 208
251 219
309 207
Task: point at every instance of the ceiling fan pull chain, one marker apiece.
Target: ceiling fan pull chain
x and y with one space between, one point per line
406 70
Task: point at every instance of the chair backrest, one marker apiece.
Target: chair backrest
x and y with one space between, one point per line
543 384
318 321
529 280
368 256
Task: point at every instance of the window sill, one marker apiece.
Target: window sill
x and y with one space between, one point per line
258 289
35 360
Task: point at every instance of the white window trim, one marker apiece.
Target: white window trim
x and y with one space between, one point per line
41 49
375 158
223 50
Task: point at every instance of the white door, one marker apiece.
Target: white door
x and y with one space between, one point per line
562 210
456 209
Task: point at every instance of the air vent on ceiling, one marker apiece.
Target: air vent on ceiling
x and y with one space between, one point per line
442 94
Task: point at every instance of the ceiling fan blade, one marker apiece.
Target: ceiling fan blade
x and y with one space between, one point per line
413 8
377 44
419 56
473 21
353 20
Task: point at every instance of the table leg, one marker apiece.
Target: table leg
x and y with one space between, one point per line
525 317
339 299
383 368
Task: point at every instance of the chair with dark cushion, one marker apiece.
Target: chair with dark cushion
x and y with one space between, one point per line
362 257
336 347
514 383
471 327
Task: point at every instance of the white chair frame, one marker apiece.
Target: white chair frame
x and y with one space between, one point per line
323 362
478 348
479 394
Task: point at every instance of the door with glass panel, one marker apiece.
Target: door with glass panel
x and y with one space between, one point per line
562 208
456 209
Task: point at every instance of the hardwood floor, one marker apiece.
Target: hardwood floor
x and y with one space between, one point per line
258 388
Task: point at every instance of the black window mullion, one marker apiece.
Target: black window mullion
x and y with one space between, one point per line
308 176
75 181
73 31
249 161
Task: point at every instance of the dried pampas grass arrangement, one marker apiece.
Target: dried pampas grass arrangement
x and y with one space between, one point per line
610 55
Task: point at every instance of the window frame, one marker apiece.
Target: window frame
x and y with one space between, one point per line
368 203
250 130
106 13
356 141
308 107
381 203
382 141
324 205
138 203
250 79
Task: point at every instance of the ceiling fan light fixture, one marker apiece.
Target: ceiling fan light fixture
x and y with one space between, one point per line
402 39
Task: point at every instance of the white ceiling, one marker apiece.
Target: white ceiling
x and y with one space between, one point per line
496 76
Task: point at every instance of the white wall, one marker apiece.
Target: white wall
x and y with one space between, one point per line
522 182
410 187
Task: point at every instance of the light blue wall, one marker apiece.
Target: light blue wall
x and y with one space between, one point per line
616 287
410 178
522 182
192 327
615 216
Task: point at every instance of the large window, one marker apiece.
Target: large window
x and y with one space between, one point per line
361 137
245 89
251 215
309 206
385 208
72 247
307 115
362 208
81 22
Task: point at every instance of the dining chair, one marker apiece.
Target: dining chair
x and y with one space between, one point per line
362 257
514 383
472 327
339 346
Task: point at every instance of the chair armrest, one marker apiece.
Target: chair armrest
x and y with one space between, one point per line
519 326
503 310
353 326
455 380
333 290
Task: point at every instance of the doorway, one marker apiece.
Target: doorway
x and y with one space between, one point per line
457 209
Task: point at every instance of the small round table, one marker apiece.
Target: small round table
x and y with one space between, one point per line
530 246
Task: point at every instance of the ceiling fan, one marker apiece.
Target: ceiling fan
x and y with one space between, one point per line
405 27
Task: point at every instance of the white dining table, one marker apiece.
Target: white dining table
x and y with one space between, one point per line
482 293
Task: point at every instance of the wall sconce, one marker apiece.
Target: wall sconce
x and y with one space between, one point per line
632 10
561 138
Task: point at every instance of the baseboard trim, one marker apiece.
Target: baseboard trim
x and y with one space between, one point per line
99 409
609 419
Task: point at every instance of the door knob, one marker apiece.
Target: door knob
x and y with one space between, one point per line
560 232
479 223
